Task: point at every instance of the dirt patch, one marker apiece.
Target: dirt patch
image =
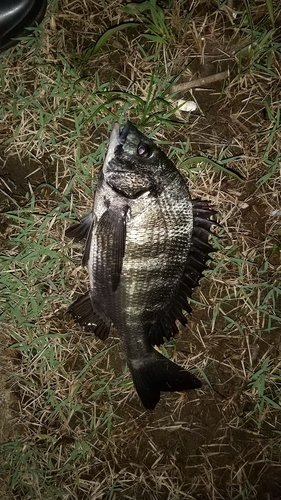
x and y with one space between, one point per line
19 177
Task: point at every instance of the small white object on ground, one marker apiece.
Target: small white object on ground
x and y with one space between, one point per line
186 105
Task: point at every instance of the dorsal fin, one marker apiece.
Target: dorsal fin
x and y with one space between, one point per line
198 255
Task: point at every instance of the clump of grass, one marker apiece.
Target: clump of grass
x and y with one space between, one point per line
152 18
264 384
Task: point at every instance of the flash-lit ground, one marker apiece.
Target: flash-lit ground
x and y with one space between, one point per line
72 426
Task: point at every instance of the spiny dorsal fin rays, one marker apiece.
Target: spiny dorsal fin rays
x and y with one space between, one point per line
197 258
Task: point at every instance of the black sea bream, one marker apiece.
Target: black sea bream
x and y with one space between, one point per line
146 246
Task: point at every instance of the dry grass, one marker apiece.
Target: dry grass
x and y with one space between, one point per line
72 426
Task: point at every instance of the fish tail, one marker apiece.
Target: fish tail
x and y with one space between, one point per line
157 373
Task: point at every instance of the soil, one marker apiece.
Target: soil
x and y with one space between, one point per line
18 176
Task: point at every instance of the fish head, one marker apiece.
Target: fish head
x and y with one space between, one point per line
134 165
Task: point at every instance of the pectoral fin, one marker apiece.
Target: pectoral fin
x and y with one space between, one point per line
111 237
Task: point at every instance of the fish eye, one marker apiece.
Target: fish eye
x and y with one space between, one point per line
144 150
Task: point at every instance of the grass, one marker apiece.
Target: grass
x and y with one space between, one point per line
72 426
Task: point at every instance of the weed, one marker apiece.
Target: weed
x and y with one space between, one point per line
264 384
154 23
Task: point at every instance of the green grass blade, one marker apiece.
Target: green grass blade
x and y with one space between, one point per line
217 166
107 35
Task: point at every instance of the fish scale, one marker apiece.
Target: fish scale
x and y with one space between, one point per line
149 275
146 245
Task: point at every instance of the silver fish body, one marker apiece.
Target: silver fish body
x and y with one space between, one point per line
146 246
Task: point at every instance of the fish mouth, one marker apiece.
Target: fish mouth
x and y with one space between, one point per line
116 141
118 137
114 136
125 131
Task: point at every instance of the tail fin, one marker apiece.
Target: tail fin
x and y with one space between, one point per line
156 374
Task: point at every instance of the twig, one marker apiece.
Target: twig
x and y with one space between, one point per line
200 82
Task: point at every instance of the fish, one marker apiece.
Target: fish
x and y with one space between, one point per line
146 245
